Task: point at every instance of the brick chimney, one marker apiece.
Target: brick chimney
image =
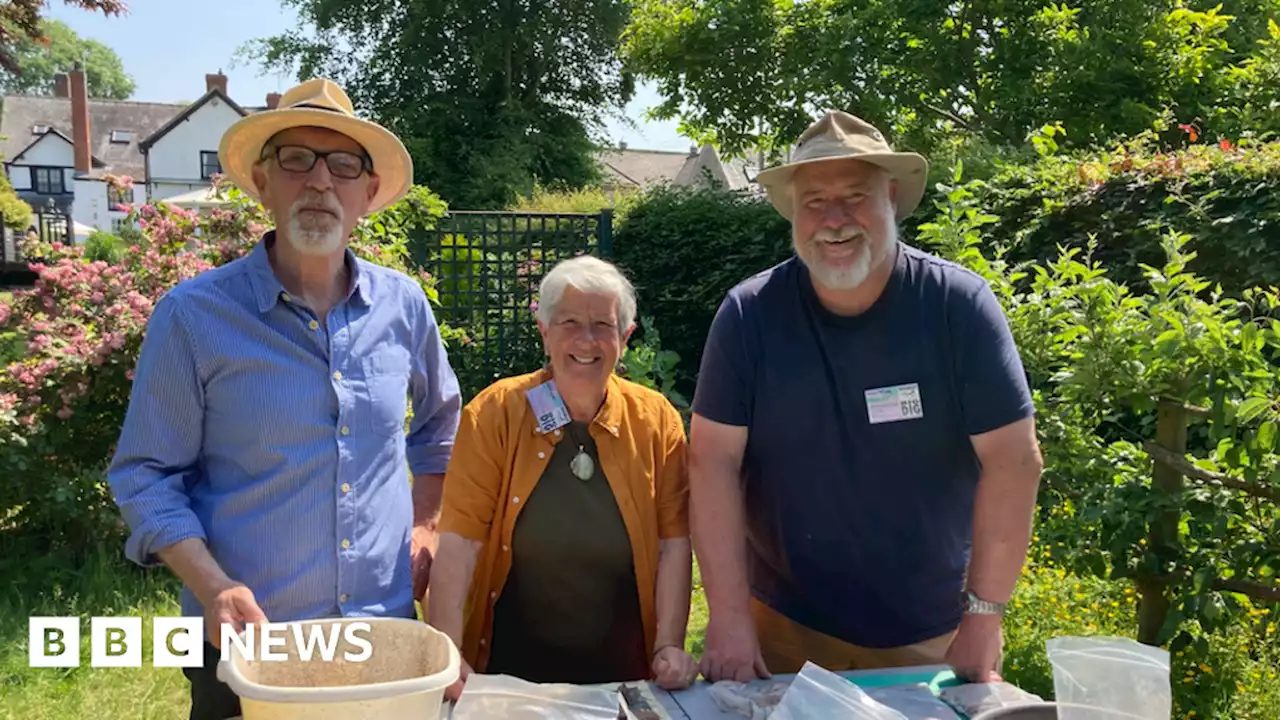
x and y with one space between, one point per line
217 80
80 118
273 100
61 86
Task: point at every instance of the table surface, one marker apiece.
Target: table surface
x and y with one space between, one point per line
695 703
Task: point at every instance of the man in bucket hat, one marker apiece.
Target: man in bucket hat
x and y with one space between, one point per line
863 456
263 457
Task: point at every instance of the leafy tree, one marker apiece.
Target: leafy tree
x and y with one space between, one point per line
490 96
20 20
743 72
57 51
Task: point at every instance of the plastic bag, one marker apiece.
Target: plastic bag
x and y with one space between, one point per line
819 693
1110 673
502 696
974 699
917 702
753 701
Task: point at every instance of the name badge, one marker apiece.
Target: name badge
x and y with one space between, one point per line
891 404
548 406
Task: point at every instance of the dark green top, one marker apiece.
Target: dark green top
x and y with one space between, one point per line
570 611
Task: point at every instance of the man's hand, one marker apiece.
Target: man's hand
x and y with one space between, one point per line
454 691
235 605
975 650
422 552
673 668
732 651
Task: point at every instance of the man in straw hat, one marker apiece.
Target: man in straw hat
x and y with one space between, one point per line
263 455
863 420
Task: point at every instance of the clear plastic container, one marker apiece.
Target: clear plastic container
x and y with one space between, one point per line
408 667
1110 673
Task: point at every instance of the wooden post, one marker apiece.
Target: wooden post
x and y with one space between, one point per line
1153 604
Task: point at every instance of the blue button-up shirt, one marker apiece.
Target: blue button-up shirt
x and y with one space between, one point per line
281 442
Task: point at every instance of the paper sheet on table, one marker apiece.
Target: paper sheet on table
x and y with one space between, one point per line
504 696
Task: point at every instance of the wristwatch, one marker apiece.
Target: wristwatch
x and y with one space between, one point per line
975 605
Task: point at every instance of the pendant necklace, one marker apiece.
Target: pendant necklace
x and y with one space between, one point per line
583 467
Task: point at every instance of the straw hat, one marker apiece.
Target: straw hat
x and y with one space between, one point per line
841 136
317 103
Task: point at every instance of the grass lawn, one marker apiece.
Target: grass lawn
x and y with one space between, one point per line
1238 680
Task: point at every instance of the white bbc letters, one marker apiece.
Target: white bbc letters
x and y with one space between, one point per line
54 642
115 642
177 642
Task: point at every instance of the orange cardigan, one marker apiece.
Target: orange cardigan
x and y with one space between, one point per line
499 455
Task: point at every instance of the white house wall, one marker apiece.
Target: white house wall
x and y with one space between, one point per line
90 206
176 155
49 151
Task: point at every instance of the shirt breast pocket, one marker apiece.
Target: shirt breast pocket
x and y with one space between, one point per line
386 374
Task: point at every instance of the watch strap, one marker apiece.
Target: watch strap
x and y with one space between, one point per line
975 605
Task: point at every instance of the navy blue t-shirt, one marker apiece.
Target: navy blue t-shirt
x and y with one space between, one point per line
856 529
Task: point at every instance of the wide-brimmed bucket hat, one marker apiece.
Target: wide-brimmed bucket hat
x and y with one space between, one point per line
841 136
317 103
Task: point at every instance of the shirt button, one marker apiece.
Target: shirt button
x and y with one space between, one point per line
482 641
541 455
557 433
345 597
285 297
515 499
505 548
313 325
345 430
346 487
337 375
493 595
346 544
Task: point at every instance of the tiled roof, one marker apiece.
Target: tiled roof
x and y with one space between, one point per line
642 168
21 113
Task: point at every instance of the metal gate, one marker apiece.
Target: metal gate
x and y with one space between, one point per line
487 267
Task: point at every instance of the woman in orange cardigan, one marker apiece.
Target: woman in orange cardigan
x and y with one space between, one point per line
564 553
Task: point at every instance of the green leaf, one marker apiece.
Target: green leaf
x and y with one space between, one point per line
1267 436
1251 408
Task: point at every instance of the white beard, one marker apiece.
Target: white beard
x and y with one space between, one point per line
315 233
854 271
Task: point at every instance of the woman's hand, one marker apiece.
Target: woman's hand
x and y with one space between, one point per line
454 691
674 669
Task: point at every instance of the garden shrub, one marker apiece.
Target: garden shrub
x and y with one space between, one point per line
62 403
104 246
1221 194
684 248
1099 356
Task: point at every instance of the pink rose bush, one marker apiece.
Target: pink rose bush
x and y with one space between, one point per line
69 344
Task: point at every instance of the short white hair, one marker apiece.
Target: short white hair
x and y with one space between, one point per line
587 273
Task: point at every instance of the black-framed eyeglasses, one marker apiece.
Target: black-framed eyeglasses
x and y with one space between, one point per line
300 159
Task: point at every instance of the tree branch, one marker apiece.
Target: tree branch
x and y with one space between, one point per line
1191 409
1182 465
1252 589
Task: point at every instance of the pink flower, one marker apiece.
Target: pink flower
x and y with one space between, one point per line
5 313
65 413
129 375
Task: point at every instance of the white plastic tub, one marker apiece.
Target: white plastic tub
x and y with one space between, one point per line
405 675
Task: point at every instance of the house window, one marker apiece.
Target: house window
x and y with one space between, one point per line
48 180
209 165
119 225
119 196
122 137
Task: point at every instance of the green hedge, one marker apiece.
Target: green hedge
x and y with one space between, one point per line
1221 195
685 248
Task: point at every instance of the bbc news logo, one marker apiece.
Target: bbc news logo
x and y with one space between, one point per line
54 642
